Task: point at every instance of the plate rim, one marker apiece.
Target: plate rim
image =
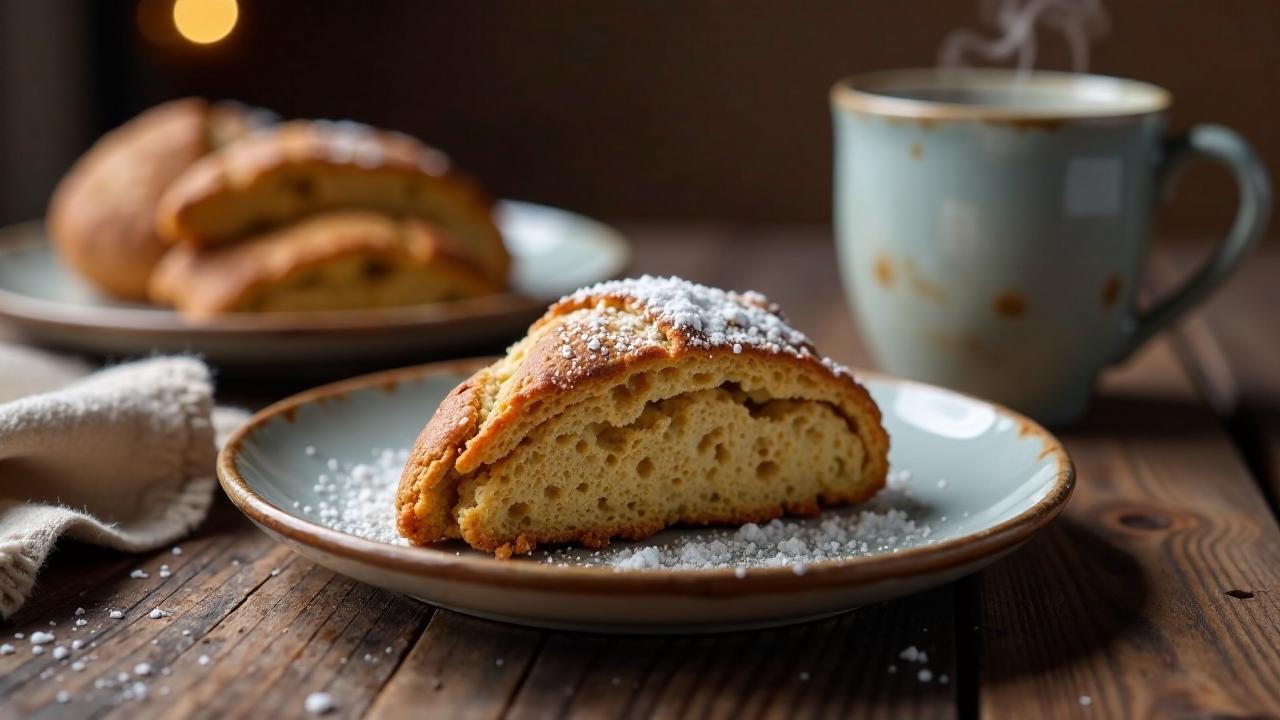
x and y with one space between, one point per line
31 310
430 562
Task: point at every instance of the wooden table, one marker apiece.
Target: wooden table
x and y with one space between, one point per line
1156 593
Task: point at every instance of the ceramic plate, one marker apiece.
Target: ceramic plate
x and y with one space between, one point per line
981 478
553 252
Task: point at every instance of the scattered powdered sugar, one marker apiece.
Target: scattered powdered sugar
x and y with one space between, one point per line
359 498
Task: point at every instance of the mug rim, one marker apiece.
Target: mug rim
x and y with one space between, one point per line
867 93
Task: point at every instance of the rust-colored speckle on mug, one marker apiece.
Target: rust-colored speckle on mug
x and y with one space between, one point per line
917 151
963 345
1111 291
922 285
1010 304
883 270
924 122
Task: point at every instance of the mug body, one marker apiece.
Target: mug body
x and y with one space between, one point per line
991 225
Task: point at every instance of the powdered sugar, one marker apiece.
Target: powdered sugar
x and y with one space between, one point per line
359 498
709 317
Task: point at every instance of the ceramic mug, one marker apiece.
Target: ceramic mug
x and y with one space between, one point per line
992 225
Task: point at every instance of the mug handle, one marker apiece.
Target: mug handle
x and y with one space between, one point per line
1225 146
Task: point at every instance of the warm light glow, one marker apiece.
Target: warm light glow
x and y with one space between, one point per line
205 21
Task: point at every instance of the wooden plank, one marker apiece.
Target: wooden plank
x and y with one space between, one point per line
1233 347
271 626
834 668
1154 593
461 667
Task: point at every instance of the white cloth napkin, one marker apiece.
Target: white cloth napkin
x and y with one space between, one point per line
122 458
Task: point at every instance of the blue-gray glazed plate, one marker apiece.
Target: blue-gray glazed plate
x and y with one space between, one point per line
982 478
553 253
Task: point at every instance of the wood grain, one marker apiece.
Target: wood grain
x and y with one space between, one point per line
1232 347
1126 602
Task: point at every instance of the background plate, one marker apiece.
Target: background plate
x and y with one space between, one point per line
1005 477
553 252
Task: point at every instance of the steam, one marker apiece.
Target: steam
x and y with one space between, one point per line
1078 21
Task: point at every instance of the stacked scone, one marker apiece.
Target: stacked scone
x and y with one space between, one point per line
305 215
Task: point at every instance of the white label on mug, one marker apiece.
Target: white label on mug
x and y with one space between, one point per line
1092 187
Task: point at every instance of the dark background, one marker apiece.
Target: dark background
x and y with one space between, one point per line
661 109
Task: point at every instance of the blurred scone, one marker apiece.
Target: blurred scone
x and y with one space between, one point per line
635 405
274 179
102 214
329 261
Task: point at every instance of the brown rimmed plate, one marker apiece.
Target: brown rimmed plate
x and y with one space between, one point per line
553 253
981 477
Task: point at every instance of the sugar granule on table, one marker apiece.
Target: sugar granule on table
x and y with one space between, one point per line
318 703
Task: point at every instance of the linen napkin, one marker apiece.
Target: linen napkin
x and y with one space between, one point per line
122 458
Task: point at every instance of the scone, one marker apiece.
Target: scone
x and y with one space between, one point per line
336 260
303 168
102 214
638 404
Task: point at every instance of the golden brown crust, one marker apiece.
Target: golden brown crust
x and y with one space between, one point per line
275 271
432 458
302 168
101 216
560 362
